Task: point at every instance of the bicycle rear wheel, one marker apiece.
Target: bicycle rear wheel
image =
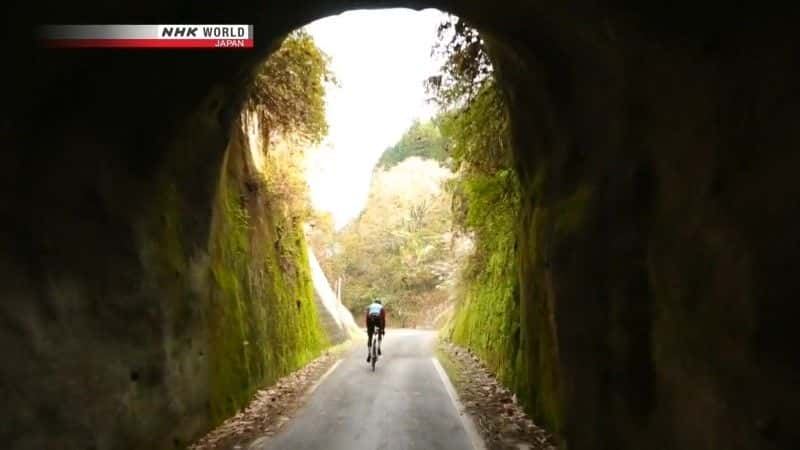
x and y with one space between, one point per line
374 354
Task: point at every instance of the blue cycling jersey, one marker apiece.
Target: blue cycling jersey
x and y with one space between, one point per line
374 309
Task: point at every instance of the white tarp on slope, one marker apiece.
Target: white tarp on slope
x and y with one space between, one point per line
336 318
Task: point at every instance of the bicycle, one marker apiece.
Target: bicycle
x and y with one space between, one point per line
374 348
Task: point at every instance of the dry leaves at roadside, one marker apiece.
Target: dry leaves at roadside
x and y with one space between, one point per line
269 409
494 409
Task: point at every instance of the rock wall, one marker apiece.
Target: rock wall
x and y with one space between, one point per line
263 320
655 243
141 327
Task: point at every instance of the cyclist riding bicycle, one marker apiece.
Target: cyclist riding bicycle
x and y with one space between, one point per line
376 317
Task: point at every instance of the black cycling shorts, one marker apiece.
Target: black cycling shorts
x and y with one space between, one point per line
373 321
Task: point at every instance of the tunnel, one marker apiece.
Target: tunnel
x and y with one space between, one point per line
657 249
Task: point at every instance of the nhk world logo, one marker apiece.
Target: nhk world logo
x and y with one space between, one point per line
147 36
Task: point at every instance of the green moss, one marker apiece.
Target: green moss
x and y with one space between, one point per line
508 324
538 365
263 320
165 253
487 321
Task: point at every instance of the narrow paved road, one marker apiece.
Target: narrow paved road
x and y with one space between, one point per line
404 404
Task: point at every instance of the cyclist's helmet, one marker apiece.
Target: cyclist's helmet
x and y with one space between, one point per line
377 300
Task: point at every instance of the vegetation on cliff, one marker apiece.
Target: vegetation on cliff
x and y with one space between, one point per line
486 205
422 139
263 319
289 90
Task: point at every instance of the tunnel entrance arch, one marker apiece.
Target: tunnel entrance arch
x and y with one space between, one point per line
654 266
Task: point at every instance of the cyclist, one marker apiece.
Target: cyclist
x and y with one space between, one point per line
376 317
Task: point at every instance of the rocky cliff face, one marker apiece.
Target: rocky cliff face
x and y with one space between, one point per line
655 235
176 325
656 147
262 318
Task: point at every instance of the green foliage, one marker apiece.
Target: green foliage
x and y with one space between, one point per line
486 204
289 98
466 65
288 90
487 320
285 178
263 321
478 133
486 201
397 249
475 124
422 139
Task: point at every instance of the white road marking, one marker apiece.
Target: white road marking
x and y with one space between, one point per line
323 377
466 421
263 440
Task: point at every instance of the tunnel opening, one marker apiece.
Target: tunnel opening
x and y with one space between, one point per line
656 241
396 246
259 198
391 236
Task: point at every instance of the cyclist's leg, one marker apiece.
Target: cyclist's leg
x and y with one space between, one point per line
370 330
381 331
380 339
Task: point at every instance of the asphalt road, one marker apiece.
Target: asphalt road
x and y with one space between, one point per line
404 404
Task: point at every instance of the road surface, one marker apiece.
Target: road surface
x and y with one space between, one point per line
404 404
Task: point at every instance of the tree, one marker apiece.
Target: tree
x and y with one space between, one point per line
288 98
475 126
289 89
486 198
422 139
466 66
398 248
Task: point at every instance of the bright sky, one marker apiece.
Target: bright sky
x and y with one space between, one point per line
380 58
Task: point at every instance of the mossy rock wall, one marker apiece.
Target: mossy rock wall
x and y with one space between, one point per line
654 238
263 320
182 288
240 312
